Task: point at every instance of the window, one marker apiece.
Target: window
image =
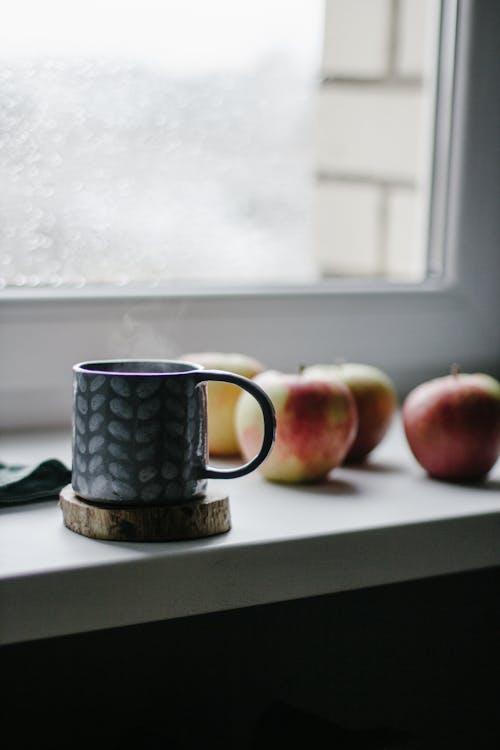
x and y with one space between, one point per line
151 142
413 330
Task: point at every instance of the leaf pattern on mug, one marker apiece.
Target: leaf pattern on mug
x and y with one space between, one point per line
120 431
80 462
95 464
122 408
80 484
96 443
137 439
147 432
151 492
97 401
97 383
118 450
82 405
120 471
95 422
149 409
80 444
81 383
147 473
147 387
100 486
169 470
124 491
121 386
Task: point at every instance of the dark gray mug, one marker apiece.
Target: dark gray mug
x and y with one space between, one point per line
140 431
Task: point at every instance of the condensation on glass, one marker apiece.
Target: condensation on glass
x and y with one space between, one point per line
144 142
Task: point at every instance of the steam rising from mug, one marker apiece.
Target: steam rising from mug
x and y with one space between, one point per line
140 338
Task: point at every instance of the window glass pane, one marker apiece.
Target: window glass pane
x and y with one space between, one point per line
145 141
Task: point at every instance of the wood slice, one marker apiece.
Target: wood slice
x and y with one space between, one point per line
156 523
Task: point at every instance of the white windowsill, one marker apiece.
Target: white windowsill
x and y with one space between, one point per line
368 526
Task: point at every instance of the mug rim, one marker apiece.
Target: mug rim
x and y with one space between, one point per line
83 367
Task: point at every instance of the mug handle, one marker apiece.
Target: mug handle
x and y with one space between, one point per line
268 413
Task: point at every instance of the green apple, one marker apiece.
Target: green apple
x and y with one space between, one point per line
375 397
316 423
222 397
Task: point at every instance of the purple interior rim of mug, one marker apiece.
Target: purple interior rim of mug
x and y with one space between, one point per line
136 367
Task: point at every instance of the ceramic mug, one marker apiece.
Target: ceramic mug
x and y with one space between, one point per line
140 431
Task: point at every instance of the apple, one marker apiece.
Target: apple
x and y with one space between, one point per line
316 423
222 397
375 397
452 424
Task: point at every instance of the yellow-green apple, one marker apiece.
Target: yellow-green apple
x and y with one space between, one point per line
222 397
452 424
316 422
376 401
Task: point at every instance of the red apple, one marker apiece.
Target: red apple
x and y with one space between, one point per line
222 397
316 422
452 425
375 397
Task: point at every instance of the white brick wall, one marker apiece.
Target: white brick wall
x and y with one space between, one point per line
369 131
413 18
346 224
357 38
372 137
405 259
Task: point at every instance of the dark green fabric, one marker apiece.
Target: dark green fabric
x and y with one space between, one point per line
24 484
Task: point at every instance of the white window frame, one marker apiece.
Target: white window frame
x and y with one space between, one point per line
414 332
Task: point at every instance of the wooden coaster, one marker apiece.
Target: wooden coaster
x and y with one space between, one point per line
155 523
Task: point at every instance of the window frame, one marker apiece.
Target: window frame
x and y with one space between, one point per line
413 331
